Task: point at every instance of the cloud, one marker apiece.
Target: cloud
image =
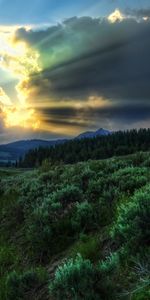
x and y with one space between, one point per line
85 55
139 13
91 72
4 99
1 122
116 16
113 116
19 61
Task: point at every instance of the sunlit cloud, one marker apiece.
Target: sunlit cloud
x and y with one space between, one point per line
4 99
116 16
68 77
93 101
20 61
23 117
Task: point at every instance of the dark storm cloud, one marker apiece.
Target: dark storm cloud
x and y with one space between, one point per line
66 123
86 56
139 13
118 114
66 116
109 59
61 111
126 114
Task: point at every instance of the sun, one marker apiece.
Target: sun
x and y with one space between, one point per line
116 16
20 117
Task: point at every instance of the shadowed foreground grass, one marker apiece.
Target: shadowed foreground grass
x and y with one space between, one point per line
76 231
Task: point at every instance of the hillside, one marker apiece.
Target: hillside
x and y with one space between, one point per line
97 147
77 231
13 151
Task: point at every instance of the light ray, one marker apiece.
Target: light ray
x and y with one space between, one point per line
19 60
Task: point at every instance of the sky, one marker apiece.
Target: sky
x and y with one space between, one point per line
71 66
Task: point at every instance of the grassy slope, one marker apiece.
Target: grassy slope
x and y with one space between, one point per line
56 212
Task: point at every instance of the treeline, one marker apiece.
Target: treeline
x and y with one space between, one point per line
115 144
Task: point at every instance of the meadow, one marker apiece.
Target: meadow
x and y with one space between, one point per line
76 231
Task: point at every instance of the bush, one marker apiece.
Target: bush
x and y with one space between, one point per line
75 280
133 221
18 286
83 216
95 189
146 163
7 258
86 175
139 158
31 192
48 219
88 246
129 179
140 288
71 210
67 195
111 263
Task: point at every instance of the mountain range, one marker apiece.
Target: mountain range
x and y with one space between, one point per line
12 151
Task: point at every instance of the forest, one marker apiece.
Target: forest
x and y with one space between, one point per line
81 230
101 147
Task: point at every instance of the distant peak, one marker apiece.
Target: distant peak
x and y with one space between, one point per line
100 129
91 134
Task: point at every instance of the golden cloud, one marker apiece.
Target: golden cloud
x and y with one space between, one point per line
4 99
20 61
116 16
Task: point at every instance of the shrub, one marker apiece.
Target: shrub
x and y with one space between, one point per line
88 246
7 258
129 179
139 158
95 188
140 288
75 280
19 285
38 228
47 177
146 163
67 195
48 219
111 195
83 216
111 263
133 221
31 192
86 175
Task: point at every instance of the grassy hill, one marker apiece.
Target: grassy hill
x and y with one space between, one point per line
77 231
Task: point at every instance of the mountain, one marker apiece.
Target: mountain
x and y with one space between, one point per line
92 134
12 151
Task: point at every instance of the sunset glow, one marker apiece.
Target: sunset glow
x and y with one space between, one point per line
20 61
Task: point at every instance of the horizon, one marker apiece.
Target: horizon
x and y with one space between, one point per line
73 137
66 68
48 140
